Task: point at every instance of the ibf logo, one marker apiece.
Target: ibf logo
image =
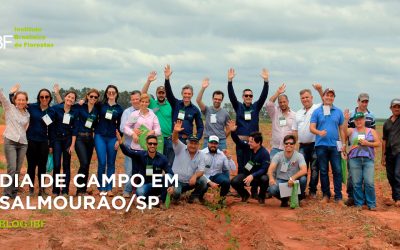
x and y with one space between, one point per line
4 40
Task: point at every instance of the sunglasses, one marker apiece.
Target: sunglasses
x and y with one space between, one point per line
289 143
111 92
251 96
152 143
44 97
93 96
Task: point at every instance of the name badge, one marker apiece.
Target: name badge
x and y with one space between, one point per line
181 115
249 166
66 118
134 119
282 121
109 114
213 118
149 170
247 115
361 137
89 123
156 109
47 119
284 167
327 109
339 146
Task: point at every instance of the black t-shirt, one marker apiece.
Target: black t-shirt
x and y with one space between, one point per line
391 134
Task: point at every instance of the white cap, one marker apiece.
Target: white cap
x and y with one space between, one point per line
213 138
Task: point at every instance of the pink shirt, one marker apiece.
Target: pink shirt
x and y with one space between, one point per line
137 119
281 124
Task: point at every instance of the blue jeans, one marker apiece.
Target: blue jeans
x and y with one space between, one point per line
274 151
106 155
393 173
60 149
200 188
221 144
362 169
326 155
223 181
84 149
168 150
274 189
128 171
310 156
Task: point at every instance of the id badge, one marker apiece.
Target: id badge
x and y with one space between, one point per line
282 121
247 115
149 170
134 119
327 109
47 119
249 166
181 115
89 123
284 168
361 137
109 114
339 146
66 118
213 118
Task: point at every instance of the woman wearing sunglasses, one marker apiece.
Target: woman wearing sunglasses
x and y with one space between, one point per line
87 121
15 141
105 141
41 117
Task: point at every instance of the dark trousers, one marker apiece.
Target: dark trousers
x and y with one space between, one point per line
242 156
37 157
259 181
84 149
393 173
60 150
310 156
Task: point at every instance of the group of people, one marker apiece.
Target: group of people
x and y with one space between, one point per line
162 134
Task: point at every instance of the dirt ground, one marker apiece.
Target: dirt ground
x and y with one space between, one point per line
196 226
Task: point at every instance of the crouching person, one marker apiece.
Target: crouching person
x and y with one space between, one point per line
217 168
287 167
149 162
189 164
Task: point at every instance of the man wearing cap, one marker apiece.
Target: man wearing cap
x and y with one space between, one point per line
391 149
301 129
189 164
247 115
327 124
362 101
216 116
184 109
163 111
130 167
255 170
217 163
282 118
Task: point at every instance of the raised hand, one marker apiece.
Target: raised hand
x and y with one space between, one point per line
15 88
178 126
205 83
152 76
281 89
56 88
346 114
317 86
167 71
231 74
265 74
231 125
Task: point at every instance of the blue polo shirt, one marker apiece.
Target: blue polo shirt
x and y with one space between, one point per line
192 113
84 115
61 130
330 123
38 130
107 127
247 127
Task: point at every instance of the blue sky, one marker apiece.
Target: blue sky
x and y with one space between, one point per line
351 46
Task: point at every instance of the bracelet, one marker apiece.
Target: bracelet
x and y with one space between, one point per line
291 179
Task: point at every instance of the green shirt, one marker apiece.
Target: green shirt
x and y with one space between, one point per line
163 112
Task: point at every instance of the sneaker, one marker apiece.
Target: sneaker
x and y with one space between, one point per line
103 193
254 195
325 200
268 196
284 203
349 202
312 195
358 208
245 198
372 209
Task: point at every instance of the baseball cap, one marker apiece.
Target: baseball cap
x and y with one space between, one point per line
363 97
213 138
193 138
329 90
358 115
160 89
395 101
